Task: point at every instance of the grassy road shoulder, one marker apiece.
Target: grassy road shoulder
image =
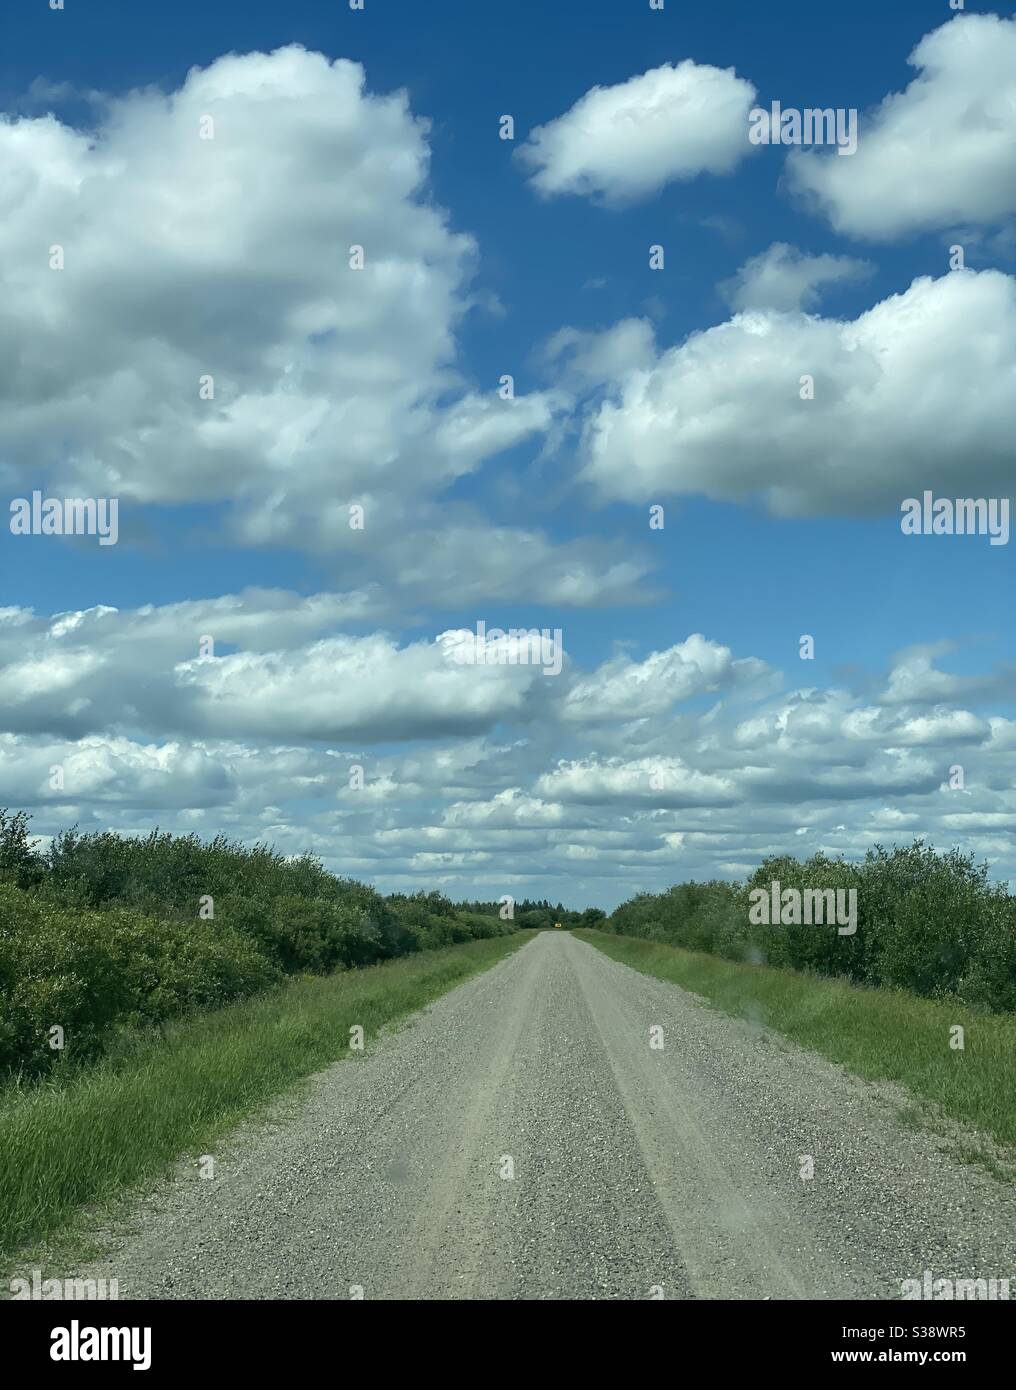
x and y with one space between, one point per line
83 1138
878 1034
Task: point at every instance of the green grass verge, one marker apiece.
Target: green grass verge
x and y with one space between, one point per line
878 1034
83 1138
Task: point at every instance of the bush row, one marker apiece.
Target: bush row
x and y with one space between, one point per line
927 922
105 933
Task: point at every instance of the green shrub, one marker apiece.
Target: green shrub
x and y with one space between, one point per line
175 871
19 863
990 982
110 937
89 972
928 922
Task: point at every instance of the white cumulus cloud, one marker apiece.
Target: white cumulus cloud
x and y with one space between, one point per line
625 142
940 154
916 393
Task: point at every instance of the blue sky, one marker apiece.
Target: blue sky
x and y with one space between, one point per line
782 516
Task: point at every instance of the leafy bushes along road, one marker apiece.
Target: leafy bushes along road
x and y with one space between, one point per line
927 922
86 972
104 933
90 1131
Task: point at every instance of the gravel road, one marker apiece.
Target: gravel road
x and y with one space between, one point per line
521 1138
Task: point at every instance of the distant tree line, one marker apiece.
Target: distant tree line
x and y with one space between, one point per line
538 913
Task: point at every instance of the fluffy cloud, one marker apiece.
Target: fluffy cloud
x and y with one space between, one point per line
625 142
915 680
785 279
654 782
915 393
583 809
188 259
508 810
267 665
481 564
626 689
346 687
226 261
940 154
107 772
102 670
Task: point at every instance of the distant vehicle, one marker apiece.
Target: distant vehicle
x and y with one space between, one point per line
557 924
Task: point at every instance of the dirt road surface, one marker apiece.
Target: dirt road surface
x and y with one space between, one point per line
523 1139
